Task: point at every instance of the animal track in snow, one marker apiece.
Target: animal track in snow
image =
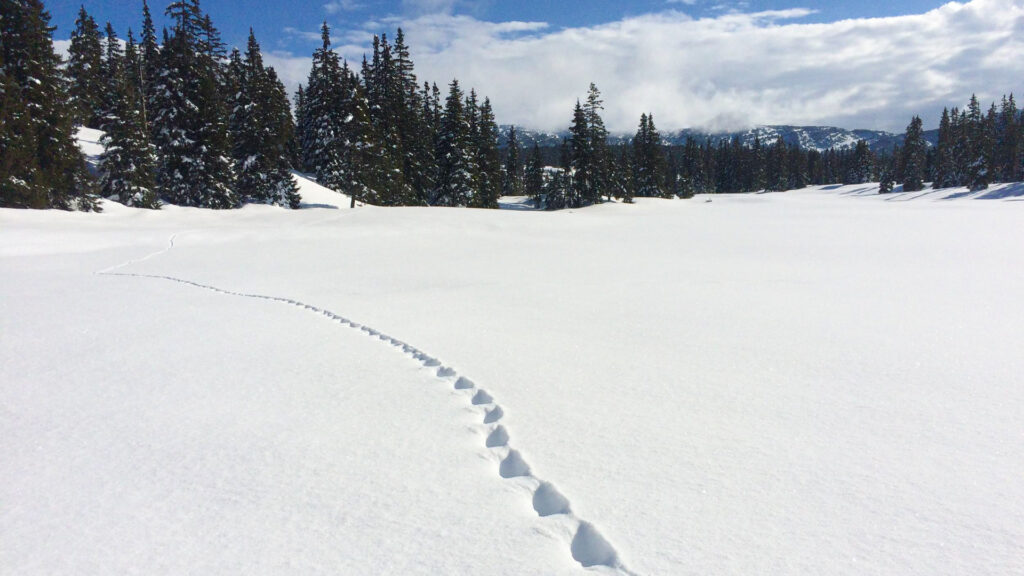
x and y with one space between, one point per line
587 546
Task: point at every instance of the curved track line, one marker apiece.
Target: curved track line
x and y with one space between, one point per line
587 546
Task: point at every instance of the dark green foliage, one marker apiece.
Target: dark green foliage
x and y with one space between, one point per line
913 157
648 160
85 72
261 131
40 165
512 182
189 114
126 167
533 182
454 185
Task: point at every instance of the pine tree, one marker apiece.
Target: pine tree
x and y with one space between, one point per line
488 162
581 161
913 157
324 118
944 167
127 163
85 71
600 157
40 166
979 143
861 168
261 131
112 76
886 177
454 184
512 182
190 116
648 160
533 182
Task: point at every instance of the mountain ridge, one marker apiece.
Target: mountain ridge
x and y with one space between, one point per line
820 138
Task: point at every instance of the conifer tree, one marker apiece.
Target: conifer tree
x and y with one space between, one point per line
600 157
127 163
261 131
979 144
581 164
112 76
648 160
533 182
454 184
913 157
85 71
944 167
512 183
189 114
488 163
40 166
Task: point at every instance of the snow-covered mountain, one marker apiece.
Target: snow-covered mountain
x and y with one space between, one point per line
809 137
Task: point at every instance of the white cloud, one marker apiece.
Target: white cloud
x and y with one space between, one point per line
728 71
342 6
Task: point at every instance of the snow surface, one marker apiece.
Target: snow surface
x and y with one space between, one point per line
817 382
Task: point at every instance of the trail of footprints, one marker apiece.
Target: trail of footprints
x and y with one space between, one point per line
587 546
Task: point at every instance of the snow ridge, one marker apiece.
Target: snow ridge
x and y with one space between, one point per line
587 546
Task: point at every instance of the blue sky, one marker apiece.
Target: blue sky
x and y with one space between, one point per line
709 64
271 19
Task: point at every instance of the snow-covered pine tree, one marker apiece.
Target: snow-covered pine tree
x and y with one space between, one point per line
85 71
112 76
512 183
648 160
127 164
913 157
40 166
600 157
944 154
149 53
455 179
887 171
325 117
580 161
979 144
488 162
261 131
189 114
861 168
1008 139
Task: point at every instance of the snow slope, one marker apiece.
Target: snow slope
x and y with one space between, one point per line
823 381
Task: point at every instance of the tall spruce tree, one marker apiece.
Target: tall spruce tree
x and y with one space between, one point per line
126 166
979 143
85 72
40 165
455 178
261 132
600 157
648 160
512 184
190 116
913 157
533 181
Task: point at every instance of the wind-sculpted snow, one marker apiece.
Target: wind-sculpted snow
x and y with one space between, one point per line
586 545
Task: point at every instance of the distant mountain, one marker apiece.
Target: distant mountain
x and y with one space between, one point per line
809 137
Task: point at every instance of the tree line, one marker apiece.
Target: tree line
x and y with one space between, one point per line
188 123
974 150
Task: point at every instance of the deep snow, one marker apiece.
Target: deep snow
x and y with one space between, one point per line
822 381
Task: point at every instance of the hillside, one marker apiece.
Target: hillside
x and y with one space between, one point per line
819 138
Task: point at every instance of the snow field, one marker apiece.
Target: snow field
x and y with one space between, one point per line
822 381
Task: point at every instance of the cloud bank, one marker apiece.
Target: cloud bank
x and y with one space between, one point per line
733 70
